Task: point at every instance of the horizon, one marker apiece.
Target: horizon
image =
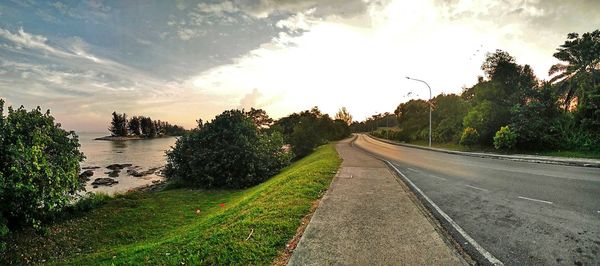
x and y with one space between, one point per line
184 60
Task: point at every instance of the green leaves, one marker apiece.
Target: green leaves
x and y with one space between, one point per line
228 152
39 167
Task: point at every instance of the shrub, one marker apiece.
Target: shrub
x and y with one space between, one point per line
229 152
469 137
505 139
39 167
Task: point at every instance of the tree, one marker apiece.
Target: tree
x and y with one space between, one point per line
447 117
260 118
228 152
413 117
118 125
344 115
39 167
134 126
580 57
148 128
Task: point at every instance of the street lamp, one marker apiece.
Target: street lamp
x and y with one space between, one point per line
429 105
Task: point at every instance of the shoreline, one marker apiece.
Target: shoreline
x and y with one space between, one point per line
126 138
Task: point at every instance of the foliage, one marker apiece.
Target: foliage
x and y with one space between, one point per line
39 167
580 58
308 129
536 122
118 125
505 139
344 115
260 118
229 152
413 116
447 117
134 126
469 137
148 128
185 226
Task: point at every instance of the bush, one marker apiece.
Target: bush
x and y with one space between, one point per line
505 139
469 137
229 152
39 167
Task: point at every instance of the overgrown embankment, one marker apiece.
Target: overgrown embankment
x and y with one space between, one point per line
250 226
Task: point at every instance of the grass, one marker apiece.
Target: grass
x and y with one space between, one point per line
250 226
457 147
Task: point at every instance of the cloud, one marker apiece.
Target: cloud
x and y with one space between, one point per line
323 8
333 61
250 99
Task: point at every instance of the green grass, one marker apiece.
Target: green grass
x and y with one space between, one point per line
457 147
164 228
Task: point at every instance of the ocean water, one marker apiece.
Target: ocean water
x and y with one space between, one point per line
142 154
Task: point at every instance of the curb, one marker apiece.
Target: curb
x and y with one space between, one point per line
497 156
462 238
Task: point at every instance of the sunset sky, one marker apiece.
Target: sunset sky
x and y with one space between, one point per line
182 60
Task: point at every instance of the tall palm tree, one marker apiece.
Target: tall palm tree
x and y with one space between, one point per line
580 58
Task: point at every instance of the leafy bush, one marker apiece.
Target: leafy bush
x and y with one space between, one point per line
469 137
505 139
229 152
39 167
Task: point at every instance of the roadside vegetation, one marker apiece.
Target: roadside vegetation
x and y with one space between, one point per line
191 226
231 198
510 109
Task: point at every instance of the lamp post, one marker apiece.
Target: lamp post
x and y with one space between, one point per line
429 105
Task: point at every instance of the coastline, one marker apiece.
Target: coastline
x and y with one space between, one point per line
118 138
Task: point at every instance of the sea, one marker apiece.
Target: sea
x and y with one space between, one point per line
142 154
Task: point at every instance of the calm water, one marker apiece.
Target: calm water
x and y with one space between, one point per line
144 154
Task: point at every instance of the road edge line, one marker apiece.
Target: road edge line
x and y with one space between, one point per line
481 253
487 255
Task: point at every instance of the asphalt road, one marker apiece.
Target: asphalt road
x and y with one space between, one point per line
522 213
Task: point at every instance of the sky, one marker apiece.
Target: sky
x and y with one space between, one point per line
181 60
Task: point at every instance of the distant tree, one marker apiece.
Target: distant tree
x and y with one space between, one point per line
148 128
135 126
580 58
447 117
118 125
344 115
413 117
260 118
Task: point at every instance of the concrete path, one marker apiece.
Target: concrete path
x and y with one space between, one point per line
368 218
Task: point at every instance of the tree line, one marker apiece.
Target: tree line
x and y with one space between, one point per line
509 107
142 126
241 148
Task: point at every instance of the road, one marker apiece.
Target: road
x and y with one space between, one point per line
522 213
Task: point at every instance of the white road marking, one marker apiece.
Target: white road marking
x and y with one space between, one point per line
414 170
471 241
438 177
478 188
538 200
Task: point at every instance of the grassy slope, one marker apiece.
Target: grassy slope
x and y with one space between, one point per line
457 147
164 228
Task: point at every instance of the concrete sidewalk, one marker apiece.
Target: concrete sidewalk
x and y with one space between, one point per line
368 218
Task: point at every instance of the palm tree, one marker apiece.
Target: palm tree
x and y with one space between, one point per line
580 58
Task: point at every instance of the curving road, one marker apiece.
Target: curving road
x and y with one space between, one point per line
522 213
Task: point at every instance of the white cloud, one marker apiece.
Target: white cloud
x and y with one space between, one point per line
361 62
